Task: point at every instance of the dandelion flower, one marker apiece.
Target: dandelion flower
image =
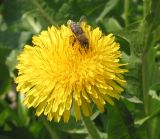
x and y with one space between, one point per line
57 74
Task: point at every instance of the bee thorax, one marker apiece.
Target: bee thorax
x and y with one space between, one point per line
83 40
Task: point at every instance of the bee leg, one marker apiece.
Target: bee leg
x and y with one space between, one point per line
72 40
80 51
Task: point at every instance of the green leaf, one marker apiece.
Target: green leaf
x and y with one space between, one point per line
12 113
108 7
8 41
63 12
4 115
31 23
124 48
11 62
71 127
153 69
52 129
14 14
133 76
110 24
18 133
120 122
142 121
145 119
91 128
4 79
132 99
135 38
154 17
8 63
35 129
44 10
22 112
154 95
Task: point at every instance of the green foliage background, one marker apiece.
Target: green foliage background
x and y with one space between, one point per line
136 25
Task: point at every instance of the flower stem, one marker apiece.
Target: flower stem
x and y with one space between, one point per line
126 11
146 7
145 61
53 134
92 130
145 83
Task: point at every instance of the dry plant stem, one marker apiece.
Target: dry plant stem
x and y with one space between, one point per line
92 130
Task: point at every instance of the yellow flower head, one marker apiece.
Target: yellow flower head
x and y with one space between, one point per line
57 73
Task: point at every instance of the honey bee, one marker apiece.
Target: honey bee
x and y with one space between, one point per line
79 33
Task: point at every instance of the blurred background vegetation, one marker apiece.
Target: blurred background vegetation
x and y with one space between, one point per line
136 25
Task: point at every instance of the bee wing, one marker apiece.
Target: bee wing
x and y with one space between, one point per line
83 19
69 22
